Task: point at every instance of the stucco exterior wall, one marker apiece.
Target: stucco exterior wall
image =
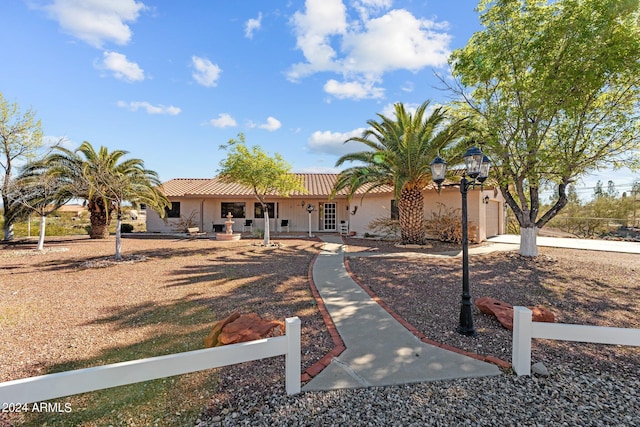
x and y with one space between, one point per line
359 212
368 209
188 207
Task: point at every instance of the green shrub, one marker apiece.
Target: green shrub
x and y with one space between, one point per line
126 228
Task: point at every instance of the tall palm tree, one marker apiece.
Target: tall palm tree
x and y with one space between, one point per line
399 154
105 181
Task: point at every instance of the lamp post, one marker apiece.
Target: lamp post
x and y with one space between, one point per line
477 169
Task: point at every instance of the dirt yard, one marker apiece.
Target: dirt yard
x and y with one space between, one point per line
71 307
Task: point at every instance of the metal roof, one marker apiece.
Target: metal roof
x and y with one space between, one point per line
317 184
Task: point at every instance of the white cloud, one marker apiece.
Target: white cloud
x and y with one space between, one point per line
149 108
376 4
271 125
321 20
334 142
364 48
224 120
206 73
121 67
366 7
318 169
397 40
353 90
252 25
96 21
407 87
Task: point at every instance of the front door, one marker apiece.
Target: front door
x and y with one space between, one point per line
330 216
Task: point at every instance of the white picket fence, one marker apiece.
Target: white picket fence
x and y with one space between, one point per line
524 329
52 386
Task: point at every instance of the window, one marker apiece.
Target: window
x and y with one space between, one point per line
174 212
395 212
258 213
237 209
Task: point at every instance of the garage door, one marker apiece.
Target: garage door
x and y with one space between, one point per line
493 218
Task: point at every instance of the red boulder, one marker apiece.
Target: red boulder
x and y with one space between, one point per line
504 311
241 328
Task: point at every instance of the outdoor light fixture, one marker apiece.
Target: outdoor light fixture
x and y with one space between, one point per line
438 170
484 170
473 162
477 168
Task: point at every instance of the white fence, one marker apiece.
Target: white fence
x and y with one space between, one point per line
45 387
524 329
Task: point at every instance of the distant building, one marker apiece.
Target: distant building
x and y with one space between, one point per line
76 209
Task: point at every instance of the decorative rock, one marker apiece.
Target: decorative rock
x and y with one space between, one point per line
540 369
500 309
212 339
241 328
541 314
504 311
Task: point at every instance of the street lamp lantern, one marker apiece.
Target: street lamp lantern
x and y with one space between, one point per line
477 168
473 162
484 169
438 170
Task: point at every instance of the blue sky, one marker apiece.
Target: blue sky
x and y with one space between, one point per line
170 81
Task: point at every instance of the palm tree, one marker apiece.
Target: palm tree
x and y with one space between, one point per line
399 155
105 182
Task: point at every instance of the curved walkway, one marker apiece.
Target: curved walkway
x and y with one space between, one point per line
379 350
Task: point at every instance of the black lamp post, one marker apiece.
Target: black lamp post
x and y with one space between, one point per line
477 169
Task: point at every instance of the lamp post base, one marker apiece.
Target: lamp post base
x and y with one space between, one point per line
466 320
466 331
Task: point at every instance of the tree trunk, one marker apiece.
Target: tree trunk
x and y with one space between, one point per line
266 226
8 220
118 237
43 226
100 219
8 231
527 220
411 207
528 243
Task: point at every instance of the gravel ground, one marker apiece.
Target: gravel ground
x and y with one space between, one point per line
567 398
587 384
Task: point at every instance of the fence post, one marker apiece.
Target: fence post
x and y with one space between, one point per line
292 357
522 334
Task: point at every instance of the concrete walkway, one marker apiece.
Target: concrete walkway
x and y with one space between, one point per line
379 350
561 242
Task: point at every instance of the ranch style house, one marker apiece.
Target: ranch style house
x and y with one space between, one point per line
207 202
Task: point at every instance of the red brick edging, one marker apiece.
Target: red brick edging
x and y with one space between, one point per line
317 367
